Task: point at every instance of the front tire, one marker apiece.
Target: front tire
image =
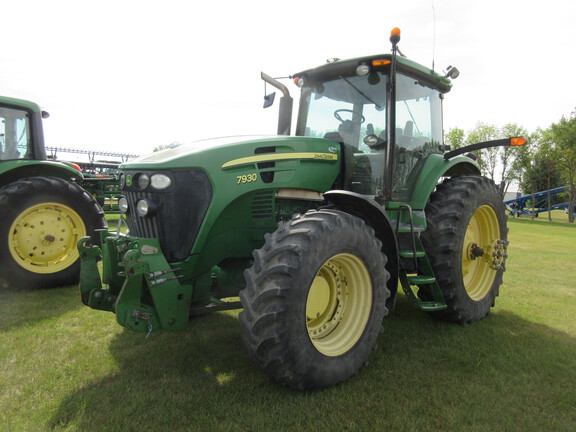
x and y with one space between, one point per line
466 243
42 220
315 299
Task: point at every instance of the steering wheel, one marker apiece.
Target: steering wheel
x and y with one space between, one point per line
341 120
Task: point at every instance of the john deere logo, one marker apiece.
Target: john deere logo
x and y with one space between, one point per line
128 180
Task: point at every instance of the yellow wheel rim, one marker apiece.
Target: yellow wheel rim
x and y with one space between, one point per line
477 270
339 304
43 238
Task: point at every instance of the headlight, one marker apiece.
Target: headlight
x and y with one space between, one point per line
143 181
122 181
146 207
123 204
160 181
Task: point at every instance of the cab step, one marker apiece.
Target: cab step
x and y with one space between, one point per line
411 254
420 279
415 268
431 306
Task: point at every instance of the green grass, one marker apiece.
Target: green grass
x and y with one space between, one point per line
66 367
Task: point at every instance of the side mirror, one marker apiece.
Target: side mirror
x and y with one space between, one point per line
269 100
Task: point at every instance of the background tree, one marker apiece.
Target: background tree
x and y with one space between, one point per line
563 134
546 167
487 158
455 138
498 162
523 163
508 155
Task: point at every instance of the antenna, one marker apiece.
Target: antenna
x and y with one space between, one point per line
434 35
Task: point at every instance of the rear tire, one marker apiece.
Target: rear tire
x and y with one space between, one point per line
42 220
466 243
315 299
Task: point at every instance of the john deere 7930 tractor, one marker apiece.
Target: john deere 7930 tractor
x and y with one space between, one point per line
314 232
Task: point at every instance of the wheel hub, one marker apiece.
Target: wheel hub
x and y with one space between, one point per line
475 251
482 253
43 237
48 239
338 300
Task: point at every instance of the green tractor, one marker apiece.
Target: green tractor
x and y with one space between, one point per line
43 212
314 232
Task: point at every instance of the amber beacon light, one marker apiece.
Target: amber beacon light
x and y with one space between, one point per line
395 35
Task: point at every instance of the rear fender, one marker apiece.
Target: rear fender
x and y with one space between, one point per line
25 168
435 168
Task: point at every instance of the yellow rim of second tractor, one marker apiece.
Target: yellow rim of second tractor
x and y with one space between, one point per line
478 272
339 304
43 237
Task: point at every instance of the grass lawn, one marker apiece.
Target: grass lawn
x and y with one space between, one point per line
65 367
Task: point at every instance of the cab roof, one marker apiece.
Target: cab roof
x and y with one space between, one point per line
348 67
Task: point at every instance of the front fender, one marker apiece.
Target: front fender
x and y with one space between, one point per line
375 216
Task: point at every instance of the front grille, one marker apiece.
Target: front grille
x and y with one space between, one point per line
180 211
142 227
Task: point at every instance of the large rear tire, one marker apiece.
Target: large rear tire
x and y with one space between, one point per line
315 299
466 243
42 220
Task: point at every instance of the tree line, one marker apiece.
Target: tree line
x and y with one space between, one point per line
548 161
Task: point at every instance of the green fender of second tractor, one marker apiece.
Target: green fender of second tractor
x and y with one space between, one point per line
13 170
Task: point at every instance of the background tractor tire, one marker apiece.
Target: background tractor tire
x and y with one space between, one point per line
42 220
466 243
315 299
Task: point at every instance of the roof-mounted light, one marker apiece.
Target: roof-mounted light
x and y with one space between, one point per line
380 62
452 72
395 35
363 69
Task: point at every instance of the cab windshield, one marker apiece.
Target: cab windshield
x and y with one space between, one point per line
14 134
350 109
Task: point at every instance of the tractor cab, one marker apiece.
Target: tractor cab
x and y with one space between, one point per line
387 117
20 130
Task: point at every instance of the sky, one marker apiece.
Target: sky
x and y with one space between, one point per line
128 76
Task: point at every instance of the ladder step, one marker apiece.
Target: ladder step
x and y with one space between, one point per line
421 280
430 306
405 227
410 254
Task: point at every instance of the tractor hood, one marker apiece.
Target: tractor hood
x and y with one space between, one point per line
186 150
228 152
